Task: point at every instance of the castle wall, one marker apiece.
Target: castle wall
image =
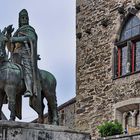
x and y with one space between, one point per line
97 27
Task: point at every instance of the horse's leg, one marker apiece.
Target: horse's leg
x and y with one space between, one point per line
41 115
1 102
52 108
11 93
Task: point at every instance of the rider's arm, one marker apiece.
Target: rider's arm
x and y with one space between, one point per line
19 39
30 36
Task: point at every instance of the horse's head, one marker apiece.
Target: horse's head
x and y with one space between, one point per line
3 40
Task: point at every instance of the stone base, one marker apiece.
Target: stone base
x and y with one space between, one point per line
10 130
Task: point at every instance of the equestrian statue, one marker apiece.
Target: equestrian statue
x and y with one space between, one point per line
20 74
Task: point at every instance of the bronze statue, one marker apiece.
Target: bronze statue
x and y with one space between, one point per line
17 74
24 52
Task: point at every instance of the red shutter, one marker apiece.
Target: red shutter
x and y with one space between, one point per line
133 57
115 62
119 62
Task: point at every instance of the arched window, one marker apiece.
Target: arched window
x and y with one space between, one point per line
127 53
131 28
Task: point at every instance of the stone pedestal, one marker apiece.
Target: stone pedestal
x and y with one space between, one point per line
10 130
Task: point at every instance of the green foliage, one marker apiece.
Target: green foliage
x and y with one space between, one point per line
110 128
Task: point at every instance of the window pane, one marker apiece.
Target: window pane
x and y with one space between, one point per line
128 25
127 34
135 21
138 56
131 28
124 60
135 31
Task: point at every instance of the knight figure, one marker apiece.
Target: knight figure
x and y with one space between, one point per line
23 48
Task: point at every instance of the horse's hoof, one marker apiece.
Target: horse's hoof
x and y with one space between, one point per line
40 121
11 120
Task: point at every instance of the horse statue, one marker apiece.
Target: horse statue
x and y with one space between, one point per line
12 87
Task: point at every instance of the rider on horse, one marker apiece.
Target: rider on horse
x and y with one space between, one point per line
23 48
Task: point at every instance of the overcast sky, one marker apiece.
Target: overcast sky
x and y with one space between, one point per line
54 22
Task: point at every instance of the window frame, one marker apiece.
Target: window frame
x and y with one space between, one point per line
119 45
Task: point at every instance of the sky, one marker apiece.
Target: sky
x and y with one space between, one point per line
54 22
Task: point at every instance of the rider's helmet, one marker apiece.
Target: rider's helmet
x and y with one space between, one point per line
23 18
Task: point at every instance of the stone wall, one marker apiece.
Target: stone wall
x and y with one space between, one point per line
66 113
10 130
98 24
122 137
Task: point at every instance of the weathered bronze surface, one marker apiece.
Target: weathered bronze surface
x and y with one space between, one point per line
20 75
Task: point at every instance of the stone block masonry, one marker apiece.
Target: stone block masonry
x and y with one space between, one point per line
10 130
122 137
98 24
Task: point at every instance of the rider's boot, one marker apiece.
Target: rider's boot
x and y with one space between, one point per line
28 84
28 93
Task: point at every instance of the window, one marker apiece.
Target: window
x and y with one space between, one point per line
127 52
